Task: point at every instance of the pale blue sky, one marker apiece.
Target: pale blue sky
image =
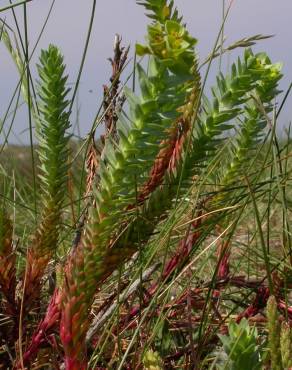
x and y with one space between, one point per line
68 24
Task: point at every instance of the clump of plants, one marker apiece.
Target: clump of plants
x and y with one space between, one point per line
241 347
144 244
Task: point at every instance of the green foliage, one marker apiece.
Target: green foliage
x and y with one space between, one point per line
149 186
160 10
231 98
112 235
164 91
53 141
254 119
51 131
122 171
242 347
172 44
52 124
168 40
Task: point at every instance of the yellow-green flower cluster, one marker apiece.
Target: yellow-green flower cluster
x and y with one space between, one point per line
152 361
172 44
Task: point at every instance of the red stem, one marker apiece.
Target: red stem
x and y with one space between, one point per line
41 333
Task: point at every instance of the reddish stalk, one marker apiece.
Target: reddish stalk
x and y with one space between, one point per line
223 255
258 304
48 324
8 282
183 251
167 158
172 148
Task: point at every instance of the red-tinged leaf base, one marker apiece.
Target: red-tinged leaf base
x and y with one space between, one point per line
75 364
42 332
